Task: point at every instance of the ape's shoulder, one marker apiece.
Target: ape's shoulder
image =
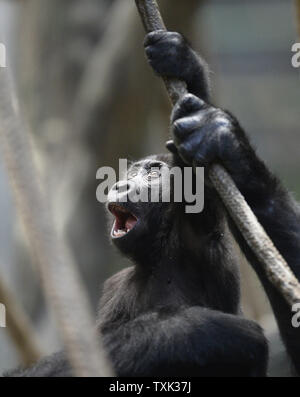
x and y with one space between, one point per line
55 365
118 290
119 278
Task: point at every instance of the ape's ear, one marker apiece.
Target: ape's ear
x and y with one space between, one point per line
170 145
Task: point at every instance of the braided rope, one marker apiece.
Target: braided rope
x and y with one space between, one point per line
60 279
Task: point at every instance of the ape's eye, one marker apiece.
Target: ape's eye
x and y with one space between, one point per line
132 174
153 175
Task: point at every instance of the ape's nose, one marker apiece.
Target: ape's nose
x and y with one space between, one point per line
124 191
122 187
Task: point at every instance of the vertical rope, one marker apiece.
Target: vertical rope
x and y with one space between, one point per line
19 327
60 279
297 4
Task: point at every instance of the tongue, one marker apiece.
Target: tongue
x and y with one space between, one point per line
130 222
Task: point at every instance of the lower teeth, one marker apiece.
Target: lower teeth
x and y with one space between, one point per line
120 232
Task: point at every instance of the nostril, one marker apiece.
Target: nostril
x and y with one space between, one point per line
121 187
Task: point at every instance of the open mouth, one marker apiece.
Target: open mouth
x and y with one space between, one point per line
124 220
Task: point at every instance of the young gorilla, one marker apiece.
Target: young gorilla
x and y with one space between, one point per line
176 312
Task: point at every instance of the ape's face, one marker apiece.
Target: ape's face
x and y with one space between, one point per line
137 207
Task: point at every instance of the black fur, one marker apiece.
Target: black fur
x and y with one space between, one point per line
176 311
170 55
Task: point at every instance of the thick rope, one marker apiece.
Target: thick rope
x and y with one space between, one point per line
60 279
297 4
19 327
276 268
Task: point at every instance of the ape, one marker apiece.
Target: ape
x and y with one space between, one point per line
176 311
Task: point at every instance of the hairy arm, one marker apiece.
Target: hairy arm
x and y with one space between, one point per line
54 366
197 342
188 342
203 135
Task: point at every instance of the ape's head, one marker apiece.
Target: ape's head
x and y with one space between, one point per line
168 243
140 217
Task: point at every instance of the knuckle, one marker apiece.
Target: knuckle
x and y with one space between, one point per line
185 149
149 51
153 37
182 101
184 126
219 128
188 99
200 158
177 37
178 128
193 103
175 34
189 103
220 115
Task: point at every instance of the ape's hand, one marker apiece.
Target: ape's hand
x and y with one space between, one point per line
204 135
170 55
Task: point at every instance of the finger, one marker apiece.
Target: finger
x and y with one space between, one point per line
188 149
187 104
150 52
153 37
170 145
213 139
185 126
202 146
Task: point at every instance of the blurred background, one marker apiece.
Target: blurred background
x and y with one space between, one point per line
89 99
